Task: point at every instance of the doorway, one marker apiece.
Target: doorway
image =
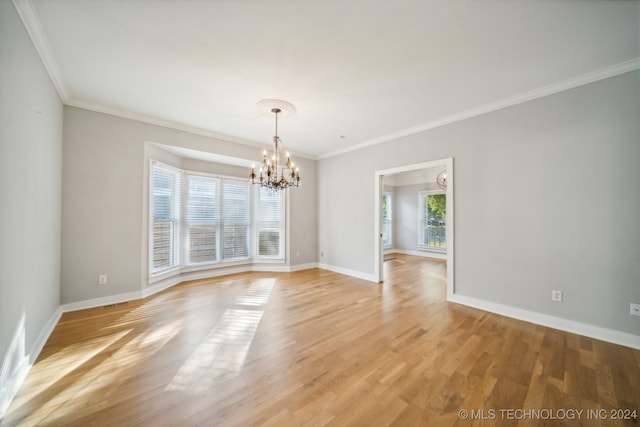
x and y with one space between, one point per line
445 227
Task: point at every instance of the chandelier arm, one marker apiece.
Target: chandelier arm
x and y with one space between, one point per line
274 178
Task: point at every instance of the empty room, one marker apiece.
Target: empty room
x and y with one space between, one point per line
310 213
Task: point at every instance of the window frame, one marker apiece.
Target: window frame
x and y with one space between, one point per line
389 221
186 260
177 232
221 223
182 255
421 246
257 228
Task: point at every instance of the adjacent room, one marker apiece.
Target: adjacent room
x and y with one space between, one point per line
276 213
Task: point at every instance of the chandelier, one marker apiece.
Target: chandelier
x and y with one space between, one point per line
273 174
441 180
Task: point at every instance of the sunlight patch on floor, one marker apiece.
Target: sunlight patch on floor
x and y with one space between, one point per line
64 362
107 372
222 354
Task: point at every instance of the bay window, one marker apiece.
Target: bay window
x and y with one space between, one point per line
203 220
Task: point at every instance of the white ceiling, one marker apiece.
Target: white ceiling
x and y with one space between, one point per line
368 70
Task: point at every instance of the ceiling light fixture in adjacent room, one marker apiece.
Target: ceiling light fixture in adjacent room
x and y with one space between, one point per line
441 179
273 174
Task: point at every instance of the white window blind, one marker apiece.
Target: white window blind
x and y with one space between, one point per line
198 220
269 223
235 222
165 217
201 219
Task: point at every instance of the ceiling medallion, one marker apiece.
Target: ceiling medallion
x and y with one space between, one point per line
266 106
274 175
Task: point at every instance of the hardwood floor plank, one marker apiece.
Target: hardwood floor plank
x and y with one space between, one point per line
316 348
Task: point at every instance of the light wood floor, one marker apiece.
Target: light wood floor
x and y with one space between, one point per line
318 348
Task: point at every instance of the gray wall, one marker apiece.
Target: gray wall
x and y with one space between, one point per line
30 187
104 201
546 197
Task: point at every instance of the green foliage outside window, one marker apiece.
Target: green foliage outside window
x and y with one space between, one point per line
437 205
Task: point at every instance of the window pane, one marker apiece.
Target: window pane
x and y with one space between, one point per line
235 213
201 218
202 243
208 219
269 223
165 215
235 240
269 242
162 244
433 214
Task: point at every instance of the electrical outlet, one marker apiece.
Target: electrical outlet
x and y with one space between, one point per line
102 279
634 309
556 296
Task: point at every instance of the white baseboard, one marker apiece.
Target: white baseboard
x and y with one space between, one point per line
172 281
206 274
270 268
348 272
44 334
300 267
11 378
102 301
609 335
425 254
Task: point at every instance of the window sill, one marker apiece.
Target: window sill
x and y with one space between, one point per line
158 277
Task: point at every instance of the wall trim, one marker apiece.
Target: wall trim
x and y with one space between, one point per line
33 25
564 85
425 254
301 267
10 385
169 282
270 268
44 335
101 301
378 256
10 382
596 332
31 21
348 272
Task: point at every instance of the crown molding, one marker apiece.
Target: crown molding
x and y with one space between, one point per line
33 25
126 114
583 79
31 21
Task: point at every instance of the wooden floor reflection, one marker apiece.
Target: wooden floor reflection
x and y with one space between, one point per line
315 348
